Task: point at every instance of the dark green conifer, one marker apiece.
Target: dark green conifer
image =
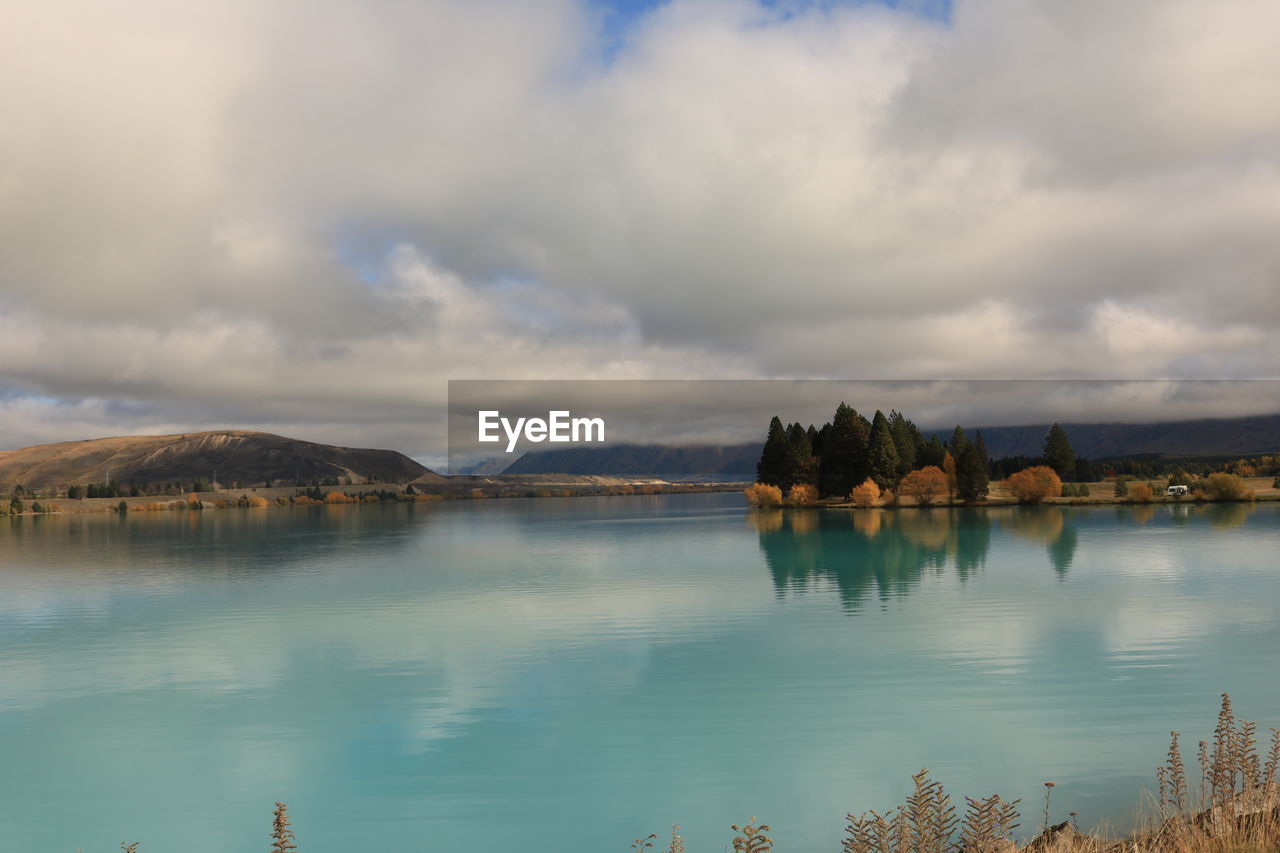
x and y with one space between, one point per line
971 472
777 461
906 440
1058 454
882 452
844 453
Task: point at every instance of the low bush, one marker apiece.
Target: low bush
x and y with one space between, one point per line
1141 493
866 495
762 494
802 494
1032 485
1226 487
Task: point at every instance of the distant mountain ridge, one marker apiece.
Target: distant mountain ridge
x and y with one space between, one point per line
230 456
698 462
1203 437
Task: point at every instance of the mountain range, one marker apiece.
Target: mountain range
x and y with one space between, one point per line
1204 437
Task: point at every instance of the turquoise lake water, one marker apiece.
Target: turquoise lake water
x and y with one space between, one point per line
570 674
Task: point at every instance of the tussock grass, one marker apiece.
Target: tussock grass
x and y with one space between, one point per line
1235 808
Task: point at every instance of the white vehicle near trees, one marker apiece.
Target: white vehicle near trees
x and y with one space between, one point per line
1176 491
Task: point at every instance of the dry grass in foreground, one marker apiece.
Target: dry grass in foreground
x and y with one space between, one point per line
1234 808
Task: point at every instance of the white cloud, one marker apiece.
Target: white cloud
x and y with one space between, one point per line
314 214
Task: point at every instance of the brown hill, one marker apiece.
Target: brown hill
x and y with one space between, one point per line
230 456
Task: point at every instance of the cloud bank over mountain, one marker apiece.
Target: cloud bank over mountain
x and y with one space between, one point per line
305 217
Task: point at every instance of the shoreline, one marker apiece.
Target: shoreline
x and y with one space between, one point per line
292 497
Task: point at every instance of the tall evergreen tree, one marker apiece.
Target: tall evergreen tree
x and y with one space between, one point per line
844 453
971 473
814 447
799 440
820 443
958 442
1058 454
806 464
882 452
982 449
777 461
906 439
933 453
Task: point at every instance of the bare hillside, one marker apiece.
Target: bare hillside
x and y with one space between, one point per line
229 456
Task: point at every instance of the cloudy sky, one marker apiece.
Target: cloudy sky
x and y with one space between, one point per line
307 216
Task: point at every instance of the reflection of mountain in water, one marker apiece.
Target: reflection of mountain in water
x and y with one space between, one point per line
881 552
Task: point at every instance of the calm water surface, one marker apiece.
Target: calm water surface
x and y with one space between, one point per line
570 674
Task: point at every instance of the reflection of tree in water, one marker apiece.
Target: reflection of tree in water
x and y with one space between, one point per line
1143 513
1228 514
884 552
1063 550
1049 526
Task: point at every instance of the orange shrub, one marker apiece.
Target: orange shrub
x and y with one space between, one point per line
924 484
1034 484
865 495
802 494
337 498
759 494
1141 493
1226 487
303 500
256 502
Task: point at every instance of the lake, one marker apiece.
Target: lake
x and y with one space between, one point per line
571 674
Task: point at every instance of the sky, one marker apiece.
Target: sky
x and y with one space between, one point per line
306 217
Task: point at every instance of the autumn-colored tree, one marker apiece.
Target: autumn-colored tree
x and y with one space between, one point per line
865 495
925 484
1226 487
1032 485
336 498
763 494
1141 493
802 494
281 834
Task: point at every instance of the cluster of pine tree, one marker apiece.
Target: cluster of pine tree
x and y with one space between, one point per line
850 449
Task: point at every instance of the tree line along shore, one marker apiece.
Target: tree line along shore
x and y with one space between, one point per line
186 497
887 461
